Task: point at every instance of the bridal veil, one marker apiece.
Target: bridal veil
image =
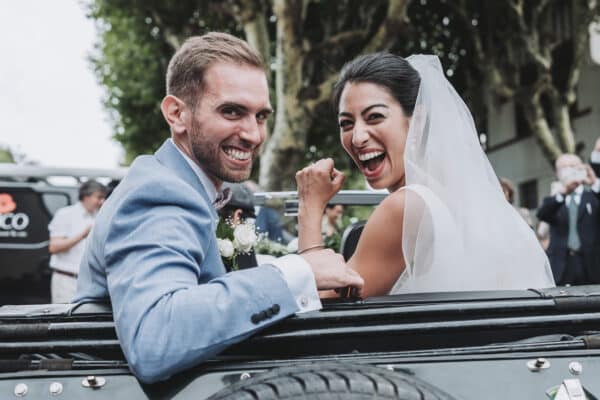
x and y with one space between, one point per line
459 231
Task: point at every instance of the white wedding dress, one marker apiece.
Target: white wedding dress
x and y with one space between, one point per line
459 231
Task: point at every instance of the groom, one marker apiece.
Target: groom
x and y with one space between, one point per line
153 249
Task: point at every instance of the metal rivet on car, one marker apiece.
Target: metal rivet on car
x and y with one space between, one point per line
20 389
575 368
389 367
244 376
563 292
56 388
538 364
46 310
93 382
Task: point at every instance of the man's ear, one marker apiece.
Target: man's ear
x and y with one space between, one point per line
237 216
175 113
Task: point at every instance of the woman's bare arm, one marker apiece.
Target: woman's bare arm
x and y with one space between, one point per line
378 257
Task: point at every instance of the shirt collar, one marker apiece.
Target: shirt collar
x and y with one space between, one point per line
578 190
204 179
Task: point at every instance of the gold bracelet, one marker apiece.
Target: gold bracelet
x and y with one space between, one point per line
316 246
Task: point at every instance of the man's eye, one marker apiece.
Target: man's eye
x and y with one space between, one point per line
345 124
231 113
261 117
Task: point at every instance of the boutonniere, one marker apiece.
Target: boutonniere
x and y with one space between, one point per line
234 240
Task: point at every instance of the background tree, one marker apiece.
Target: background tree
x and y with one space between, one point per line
529 52
6 155
511 49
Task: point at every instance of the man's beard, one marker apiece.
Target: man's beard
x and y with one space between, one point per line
207 152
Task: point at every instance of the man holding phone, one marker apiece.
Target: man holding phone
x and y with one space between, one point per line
573 214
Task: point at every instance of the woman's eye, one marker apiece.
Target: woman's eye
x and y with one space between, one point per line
374 116
345 124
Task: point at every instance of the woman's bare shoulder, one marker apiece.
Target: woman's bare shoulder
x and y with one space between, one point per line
392 206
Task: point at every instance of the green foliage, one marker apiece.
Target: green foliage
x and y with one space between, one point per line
6 155
270 247
131 58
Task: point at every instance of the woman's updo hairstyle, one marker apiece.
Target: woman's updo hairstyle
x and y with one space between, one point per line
387 70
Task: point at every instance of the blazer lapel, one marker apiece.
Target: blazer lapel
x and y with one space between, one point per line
169 156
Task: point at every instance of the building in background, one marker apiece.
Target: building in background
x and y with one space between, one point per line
513 150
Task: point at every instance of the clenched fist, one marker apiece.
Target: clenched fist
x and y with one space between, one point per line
317 184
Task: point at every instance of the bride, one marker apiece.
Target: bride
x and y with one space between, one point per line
445 225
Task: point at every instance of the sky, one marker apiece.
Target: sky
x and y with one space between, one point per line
50 102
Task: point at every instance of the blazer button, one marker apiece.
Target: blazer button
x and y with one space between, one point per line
303 301
263 315
269 312
255 318
275 308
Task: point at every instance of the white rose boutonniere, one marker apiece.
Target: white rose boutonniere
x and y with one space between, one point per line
225 248
234 240
244 237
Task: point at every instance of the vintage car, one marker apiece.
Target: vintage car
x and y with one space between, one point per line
532 344
29 197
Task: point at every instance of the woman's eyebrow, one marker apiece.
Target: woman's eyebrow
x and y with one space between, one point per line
366 110
363 112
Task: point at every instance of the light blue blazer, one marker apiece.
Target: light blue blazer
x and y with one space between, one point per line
153 253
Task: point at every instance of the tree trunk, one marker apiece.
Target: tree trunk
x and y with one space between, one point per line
538 123
284 151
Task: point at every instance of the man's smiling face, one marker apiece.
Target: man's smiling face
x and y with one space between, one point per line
228 125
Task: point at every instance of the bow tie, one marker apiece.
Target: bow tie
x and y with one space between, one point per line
222 199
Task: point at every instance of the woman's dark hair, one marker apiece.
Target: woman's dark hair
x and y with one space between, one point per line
387 70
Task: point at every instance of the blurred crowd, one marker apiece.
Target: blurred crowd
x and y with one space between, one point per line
568 219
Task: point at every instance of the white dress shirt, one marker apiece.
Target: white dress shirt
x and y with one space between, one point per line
295 270
66 223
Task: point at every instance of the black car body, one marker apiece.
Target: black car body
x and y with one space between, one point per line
468 345
532 344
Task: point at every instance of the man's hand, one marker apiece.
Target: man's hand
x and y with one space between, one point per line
569 188
330 270
591 175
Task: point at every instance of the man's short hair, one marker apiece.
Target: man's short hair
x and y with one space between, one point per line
90 187
188 65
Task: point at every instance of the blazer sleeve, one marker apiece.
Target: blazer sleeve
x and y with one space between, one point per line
167 317
548 211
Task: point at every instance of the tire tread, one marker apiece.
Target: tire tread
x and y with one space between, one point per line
332 380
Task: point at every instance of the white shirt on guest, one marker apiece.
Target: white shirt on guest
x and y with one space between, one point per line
295 270
68 222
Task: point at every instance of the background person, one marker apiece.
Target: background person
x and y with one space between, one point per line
509 192
69 228
573 214
595 158
332 219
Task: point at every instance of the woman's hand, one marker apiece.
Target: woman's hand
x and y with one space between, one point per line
317 184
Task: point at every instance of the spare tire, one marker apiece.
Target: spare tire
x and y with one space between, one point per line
332 380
